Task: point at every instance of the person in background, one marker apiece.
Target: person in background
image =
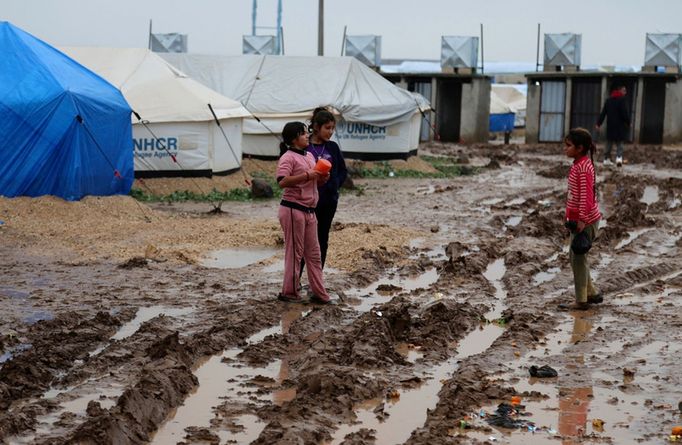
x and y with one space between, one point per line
296 174
582 211
321 146
617 116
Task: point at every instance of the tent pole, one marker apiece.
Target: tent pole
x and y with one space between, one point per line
482 59
149 44
537 51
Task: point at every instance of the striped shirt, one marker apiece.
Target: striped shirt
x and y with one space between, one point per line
581 204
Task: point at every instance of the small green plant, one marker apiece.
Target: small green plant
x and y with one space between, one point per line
446 166
238 194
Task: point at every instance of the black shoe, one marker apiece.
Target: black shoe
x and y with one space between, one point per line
319 300
542 371
289 298
595 299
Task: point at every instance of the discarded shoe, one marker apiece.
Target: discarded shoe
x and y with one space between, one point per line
595 299
319 300
542 372
577 306
289 298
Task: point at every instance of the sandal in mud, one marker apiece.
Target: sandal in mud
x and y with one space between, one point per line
289 298
319 300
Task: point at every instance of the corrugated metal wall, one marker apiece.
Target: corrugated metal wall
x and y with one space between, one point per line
586 104
424 88
552 109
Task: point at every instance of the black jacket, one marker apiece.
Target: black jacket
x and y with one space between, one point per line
617 119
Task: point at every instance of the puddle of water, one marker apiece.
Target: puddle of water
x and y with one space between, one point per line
14 293
674 203
37 315
513 221
409 412
11 352
222 377
409 351
650 195
631 237
236 258
491 201
515 202
494 273
545 276
145 314
364 299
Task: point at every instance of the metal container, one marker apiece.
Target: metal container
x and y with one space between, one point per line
552 109
562 49
259 45
366 49
663 50
458 52
169 43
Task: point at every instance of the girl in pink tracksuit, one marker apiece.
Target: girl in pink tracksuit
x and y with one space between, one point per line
296 174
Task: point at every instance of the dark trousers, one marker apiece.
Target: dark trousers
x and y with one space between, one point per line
325 214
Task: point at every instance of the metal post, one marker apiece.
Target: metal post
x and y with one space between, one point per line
279 27
281 36
253 17
320 28
537 52
482 59
343 41
149 44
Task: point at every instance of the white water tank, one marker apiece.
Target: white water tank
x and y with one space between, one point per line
663 50
562 49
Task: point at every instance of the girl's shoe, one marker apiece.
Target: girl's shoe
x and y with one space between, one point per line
595 299
289 298
319 300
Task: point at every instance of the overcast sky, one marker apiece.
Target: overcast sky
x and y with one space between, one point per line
613 31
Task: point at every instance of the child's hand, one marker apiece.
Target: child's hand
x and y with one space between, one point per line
314 175
323 177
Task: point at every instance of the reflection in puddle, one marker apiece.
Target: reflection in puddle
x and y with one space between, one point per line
365 298
631 237
236 258
513 221
409 351
11 352
548 275
494 274
650 195
145 314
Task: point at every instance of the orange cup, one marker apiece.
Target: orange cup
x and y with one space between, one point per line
323 166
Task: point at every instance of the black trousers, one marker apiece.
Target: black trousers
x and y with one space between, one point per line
325 214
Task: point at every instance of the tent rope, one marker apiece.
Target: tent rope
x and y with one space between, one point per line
239 163
117 174
159 142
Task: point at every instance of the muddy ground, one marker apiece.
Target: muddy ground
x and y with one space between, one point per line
121 324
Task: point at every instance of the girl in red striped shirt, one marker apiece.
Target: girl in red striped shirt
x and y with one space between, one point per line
582 211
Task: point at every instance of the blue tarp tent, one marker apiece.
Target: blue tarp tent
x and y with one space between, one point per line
64 130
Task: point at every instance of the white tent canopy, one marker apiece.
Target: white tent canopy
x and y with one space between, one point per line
377 116
176 108
509 99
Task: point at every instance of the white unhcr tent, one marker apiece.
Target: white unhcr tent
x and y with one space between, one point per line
378 120
505 98
177 112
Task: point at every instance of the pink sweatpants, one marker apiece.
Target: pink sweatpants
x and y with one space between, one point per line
300 241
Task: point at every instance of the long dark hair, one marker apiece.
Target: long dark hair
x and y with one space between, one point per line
321 116
581 137
291 131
